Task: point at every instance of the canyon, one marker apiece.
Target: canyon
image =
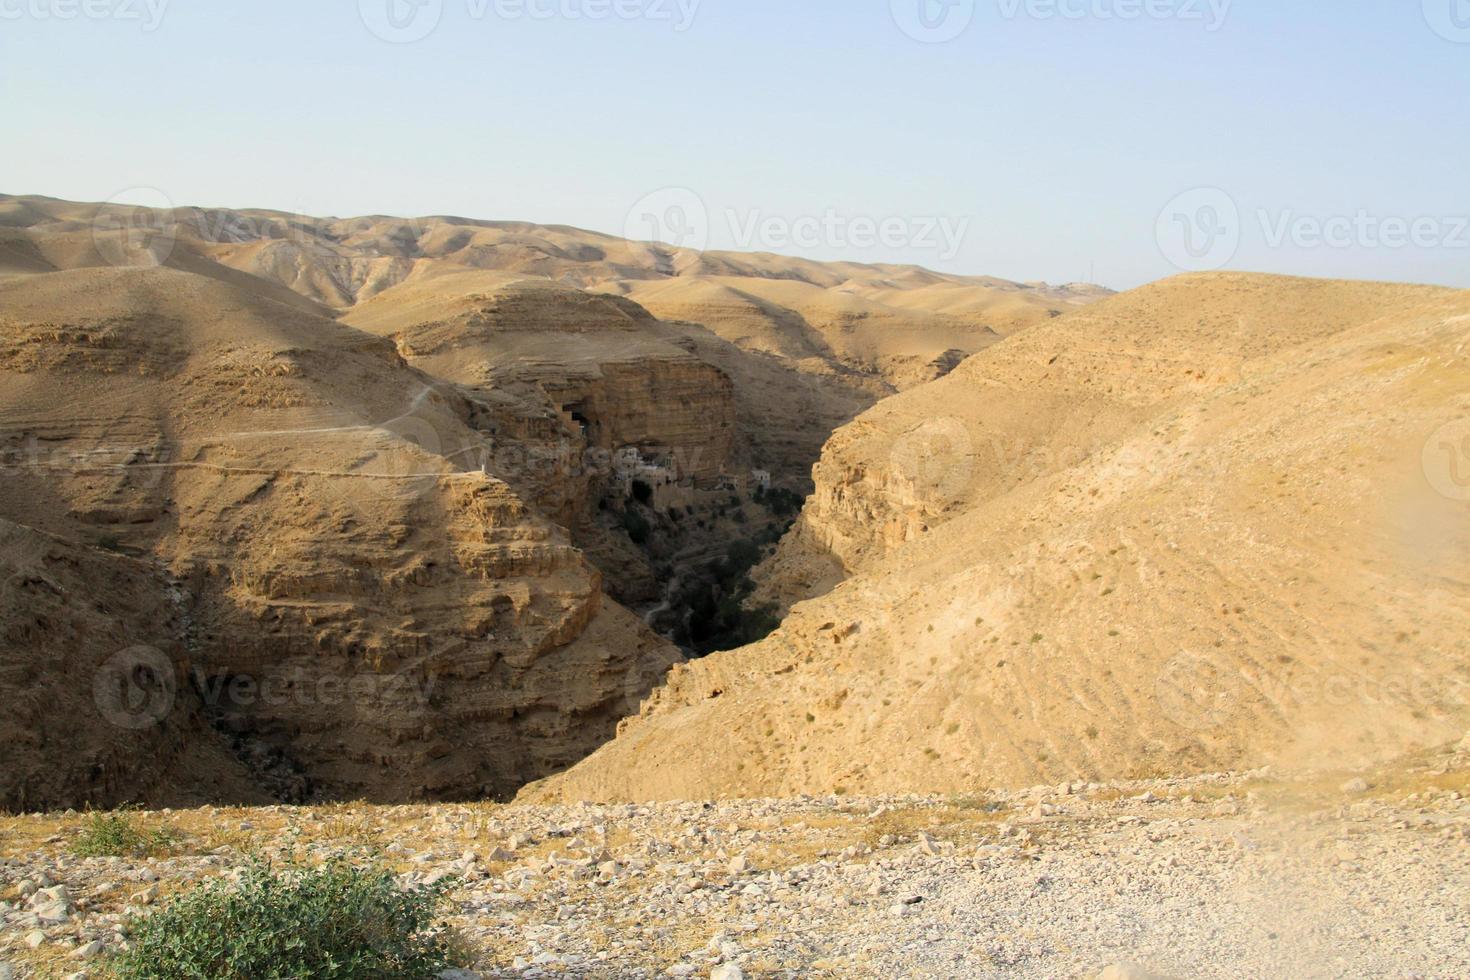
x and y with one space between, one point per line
438 509
1202 526
303 508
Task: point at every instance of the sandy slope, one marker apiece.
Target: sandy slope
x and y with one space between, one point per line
1187 529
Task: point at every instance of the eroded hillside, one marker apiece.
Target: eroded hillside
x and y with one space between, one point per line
398 624
1203 525
808 344
372 493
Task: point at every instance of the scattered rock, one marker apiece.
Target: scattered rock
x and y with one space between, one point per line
87 951
814 908
53 914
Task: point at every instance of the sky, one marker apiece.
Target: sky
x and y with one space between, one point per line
1114 141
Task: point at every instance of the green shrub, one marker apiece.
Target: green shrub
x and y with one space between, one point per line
117 835
343 920
642 492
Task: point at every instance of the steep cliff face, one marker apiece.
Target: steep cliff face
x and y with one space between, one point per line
362 611
89 640
1226 531
680 406
600 370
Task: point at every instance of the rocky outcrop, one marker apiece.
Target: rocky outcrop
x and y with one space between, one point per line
355 606
679 406
597 372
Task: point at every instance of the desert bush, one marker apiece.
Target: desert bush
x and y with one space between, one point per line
343 920
117 834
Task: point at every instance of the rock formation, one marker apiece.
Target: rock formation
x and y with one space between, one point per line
1200 526
351 484
390 622
807 344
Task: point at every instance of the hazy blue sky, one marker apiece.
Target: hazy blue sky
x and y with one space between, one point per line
1054 136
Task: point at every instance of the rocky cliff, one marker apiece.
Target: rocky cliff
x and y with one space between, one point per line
358 613
602 369
1225 532
365 460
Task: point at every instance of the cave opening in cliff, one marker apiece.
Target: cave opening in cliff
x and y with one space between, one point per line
580 418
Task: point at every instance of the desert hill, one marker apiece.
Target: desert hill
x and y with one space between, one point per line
1191 528
838 336
288 484
374 453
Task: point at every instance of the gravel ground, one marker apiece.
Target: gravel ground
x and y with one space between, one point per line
1222 876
